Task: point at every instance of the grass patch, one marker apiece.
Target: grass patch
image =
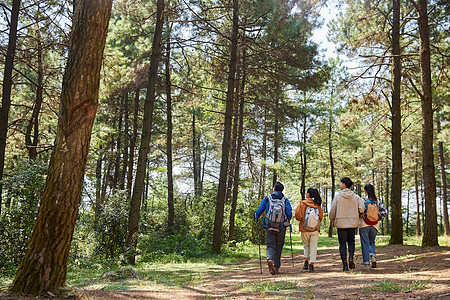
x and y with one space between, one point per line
444 241
391 286
268 287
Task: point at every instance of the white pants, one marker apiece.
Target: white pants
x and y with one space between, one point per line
310 240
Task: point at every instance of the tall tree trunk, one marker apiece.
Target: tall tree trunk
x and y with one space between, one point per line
430 234
133 143
98 185
407 215
388 201
44 265
238 153
396 139
303 160
262 178
7 87
333 176
32 132
232 162
170 204
126 121
136 197
276 143
416 187
220 199
118 148
196 159
443 183
236 171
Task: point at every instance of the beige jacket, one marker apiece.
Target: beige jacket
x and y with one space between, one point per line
346 209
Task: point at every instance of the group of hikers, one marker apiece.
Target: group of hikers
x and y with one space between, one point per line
348 213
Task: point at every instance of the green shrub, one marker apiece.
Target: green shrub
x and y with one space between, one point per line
22 191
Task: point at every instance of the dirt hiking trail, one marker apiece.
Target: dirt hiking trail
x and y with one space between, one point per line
403 272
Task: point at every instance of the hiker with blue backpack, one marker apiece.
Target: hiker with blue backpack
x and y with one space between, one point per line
368 226
309 213
278 214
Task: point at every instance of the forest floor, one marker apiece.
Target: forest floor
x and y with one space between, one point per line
403 272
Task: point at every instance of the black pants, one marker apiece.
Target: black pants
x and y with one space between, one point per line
275 243
346 236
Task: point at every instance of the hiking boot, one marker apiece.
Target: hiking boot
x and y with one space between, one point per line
305 266
351 264
374 261
311 268
271 267
277 270
344 267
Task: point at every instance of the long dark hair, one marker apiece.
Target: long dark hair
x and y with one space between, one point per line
314 194
370 192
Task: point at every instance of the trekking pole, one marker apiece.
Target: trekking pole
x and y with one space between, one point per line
259 245
290 236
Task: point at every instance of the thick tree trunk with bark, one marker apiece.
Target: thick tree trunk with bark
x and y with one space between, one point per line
430 234
44 266
136 197
396 139
7 87
221 193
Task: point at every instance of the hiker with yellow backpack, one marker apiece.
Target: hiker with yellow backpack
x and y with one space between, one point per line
368 226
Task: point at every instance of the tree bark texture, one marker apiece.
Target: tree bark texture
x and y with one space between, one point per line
221 192
136 197
396 139
7 87
44 266
430 234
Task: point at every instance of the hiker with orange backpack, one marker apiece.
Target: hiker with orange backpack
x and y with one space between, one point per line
368 226
278 214
309 213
